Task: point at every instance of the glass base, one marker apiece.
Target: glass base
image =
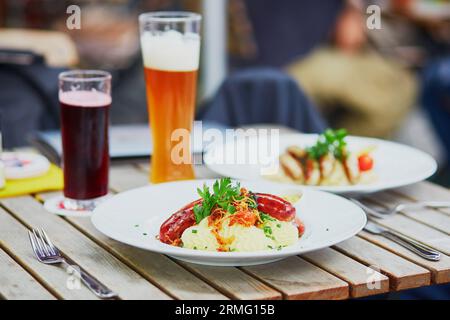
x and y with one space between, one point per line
81 205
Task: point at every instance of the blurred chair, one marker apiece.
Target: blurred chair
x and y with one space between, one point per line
30 62
262 96
57 48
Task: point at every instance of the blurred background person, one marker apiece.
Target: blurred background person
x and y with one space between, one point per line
355 86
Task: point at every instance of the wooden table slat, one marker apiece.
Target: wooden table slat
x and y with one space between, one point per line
17 284
433 218
125 177
426 191
402 273
440 270
356 274
86 253
414 229
234 282
42 197
298 279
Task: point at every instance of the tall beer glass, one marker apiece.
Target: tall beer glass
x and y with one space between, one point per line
170 43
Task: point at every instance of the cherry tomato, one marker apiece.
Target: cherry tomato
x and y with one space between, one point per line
365 162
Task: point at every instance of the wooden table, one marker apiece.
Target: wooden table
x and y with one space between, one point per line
339 272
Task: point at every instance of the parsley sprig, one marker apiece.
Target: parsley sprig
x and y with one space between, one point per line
223 195
330 141
265 217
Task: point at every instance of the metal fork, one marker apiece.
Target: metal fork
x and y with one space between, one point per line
46 252
383 213
369 211
416 205
417 247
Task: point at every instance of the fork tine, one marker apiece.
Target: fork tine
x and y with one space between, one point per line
51 246
40 243
44 243
36 250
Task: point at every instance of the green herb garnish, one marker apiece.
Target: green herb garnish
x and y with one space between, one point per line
194 231
265 217
252 204
268 232
331 141
224 193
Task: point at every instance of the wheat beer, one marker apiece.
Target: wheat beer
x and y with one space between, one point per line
170 63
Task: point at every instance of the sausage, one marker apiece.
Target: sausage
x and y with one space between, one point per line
292 167
172 229
312 174
275 206
299 153
326 164
351 166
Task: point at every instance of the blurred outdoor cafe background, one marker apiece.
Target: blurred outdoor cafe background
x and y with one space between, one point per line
391 82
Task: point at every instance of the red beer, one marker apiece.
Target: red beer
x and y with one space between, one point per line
85 99
84 126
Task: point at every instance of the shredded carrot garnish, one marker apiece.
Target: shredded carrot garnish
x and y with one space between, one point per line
245 214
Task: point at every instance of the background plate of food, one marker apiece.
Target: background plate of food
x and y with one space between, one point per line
331 161
228 223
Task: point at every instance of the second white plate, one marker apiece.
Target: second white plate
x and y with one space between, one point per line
395 165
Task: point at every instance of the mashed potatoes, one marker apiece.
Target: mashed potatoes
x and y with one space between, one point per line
272 234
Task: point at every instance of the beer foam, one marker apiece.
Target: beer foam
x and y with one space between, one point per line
170 50
85 98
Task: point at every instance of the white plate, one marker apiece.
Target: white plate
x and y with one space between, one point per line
134 217
395 164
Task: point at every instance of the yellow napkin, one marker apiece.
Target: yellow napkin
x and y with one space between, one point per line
51 181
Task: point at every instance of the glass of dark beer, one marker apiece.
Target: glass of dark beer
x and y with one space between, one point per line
85 99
